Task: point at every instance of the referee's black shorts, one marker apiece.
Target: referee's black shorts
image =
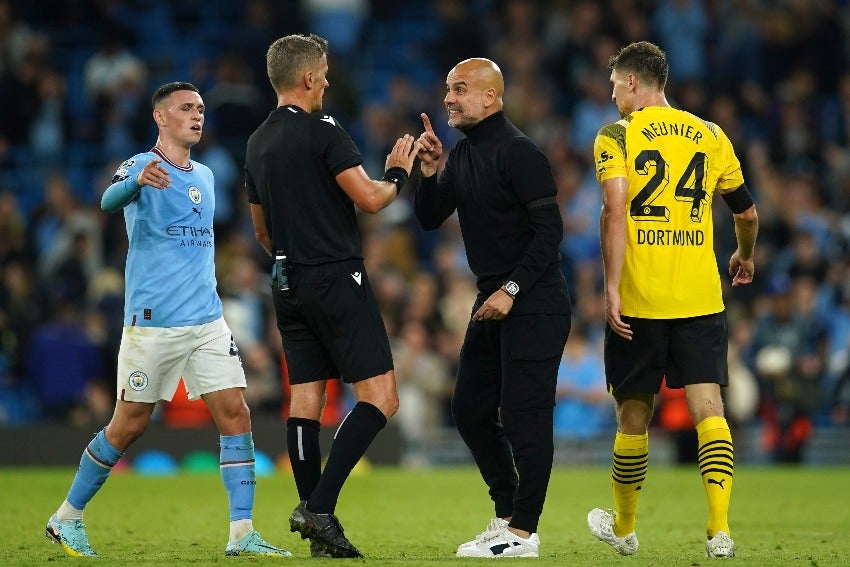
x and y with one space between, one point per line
681 351
330 324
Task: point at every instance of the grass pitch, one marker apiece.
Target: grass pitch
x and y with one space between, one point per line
779 517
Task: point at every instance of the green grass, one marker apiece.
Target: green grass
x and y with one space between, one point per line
780 517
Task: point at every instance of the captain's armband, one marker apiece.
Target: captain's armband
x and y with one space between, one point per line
738 200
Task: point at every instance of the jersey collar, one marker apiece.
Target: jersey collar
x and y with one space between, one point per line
158 152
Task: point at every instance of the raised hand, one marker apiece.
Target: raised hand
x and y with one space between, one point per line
403 153
431 149
154 175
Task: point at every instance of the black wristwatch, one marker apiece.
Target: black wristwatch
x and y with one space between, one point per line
511 288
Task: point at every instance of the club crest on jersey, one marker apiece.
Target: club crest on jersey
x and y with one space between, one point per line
195 194
138 380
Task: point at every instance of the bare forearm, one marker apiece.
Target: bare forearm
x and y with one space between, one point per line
613 242
746 231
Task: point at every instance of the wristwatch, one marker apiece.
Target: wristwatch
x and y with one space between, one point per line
511 288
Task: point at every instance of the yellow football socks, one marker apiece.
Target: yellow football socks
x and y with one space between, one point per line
631 458
716 462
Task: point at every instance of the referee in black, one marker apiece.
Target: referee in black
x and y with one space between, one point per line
502 188
303 176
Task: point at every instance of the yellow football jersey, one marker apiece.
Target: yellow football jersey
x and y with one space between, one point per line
673 161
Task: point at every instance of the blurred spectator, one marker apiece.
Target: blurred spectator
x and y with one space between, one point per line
14 35
264 22
681 28
460 36
105 302
569 62
66 368
421 304
23 310
741 398
115 86
63 228
235 105
50 123
338 21
788 353
12 227
424 388
245 303
584 408
19 90
739 42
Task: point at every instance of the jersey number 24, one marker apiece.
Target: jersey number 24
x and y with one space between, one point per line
689 188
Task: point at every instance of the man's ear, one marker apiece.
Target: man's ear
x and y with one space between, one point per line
490 97
308 79
158 117
633 82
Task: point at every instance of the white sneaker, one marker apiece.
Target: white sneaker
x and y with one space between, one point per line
503 543
495 526
601 524
721 545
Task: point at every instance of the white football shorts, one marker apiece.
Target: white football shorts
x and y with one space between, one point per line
152 360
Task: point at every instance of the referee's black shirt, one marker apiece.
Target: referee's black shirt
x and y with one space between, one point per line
291 164
502 187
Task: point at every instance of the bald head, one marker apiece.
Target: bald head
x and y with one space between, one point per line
485 73
474 90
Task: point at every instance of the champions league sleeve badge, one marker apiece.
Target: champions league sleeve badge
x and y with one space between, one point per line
123 170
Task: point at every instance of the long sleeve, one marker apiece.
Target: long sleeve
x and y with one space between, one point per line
531 176
548 231
434 199
119 194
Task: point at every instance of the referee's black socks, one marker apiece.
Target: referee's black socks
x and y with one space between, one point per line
305 454
355 434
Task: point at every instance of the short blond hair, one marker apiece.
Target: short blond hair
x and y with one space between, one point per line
288 56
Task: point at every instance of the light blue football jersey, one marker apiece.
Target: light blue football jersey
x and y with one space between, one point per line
170 272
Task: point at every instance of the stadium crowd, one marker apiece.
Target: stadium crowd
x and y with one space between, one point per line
75 83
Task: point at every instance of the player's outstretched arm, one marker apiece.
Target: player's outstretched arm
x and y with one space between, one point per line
123 191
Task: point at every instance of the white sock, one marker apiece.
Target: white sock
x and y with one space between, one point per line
67 512
240 528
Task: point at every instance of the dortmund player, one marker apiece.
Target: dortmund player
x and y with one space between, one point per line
659 169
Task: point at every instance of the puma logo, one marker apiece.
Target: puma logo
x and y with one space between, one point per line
717 482
195 210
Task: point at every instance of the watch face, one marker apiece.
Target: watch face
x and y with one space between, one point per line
512 288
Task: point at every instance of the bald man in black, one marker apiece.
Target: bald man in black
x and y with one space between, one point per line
502 188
